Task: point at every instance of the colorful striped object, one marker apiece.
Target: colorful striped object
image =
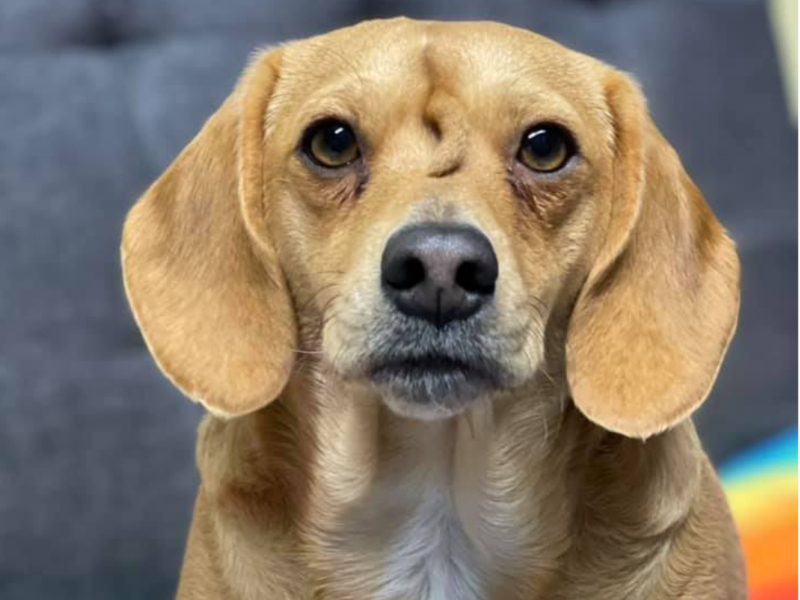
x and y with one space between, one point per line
761 484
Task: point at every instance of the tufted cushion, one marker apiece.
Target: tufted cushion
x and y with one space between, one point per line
54 24
97 97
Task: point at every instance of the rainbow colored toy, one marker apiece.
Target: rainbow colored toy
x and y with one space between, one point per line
761 484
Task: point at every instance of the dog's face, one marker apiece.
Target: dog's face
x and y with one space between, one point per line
415 203
436 187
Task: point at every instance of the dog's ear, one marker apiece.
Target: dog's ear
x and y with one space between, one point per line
200 273
659 307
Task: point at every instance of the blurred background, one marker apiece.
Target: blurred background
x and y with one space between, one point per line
97 473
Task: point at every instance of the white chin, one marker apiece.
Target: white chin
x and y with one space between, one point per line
428 411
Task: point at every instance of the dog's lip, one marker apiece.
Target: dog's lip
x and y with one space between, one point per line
430 365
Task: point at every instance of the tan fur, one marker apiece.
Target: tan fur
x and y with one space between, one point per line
254 280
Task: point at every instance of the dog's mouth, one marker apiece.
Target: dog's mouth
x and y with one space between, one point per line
440 381
426 372
429 365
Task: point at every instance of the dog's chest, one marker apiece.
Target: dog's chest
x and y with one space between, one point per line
425 520
430 556
415 531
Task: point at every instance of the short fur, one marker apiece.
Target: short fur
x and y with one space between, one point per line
254 279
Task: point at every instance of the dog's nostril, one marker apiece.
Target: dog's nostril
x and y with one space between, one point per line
475 277
406 274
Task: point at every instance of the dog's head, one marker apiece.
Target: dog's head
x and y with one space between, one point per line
415 204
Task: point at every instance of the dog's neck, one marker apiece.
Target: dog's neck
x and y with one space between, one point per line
483 505
461 507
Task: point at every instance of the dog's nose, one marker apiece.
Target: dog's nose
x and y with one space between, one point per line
439 272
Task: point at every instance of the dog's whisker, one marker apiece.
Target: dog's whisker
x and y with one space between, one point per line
309 352
315 295
468 418
543 417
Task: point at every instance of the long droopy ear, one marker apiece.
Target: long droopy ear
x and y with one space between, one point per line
659 307
201 274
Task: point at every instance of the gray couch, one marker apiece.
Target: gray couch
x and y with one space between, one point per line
96 98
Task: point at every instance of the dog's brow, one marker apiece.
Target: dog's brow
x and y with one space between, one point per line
339 100
329 106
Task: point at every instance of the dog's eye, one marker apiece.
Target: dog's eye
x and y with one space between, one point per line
545 148
331 144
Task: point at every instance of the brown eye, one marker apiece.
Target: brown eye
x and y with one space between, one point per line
331 144
545 148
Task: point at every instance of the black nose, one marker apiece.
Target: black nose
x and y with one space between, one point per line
439 272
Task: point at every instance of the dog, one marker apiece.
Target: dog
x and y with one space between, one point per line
450 299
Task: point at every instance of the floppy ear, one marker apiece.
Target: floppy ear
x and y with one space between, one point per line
659 307
201 276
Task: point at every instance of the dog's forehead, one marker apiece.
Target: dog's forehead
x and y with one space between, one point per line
468 57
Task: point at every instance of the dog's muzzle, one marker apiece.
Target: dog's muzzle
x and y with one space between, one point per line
439 280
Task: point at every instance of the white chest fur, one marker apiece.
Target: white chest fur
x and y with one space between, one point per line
416 519
430 556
